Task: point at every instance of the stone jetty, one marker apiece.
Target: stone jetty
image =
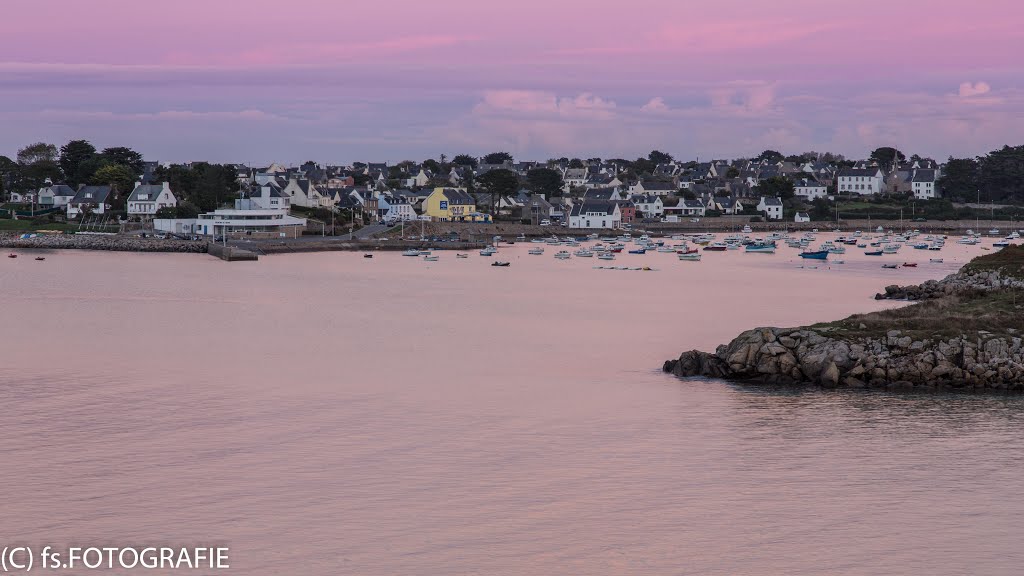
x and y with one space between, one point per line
963 332
115 242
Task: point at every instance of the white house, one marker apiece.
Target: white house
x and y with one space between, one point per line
55 196
590 213
923 184
771 207
862 181
574 178
270 197
810 190
655 188
801 217
93 198
304 193
146 199
649 205
395 208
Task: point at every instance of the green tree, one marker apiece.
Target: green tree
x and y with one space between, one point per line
960 178
76 161
126 157
575 163
658 157
498 183
770 156
1002 174
121 182
887 157
37 163
643 166
498 158
464 160
8 175
545 181
778 186
732 172
432 165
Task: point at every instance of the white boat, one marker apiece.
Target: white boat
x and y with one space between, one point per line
411 252
747 230
692 257
430 258
935 260
536 251
488 251
606 256
584 253
462 255
563 255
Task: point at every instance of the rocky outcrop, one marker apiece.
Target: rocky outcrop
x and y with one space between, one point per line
117 242
788 356
830 357
969 281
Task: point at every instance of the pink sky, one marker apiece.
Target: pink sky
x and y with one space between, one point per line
393 79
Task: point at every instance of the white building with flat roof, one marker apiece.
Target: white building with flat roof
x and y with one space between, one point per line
236 222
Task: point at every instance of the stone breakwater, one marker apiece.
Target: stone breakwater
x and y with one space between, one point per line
976 360
120 243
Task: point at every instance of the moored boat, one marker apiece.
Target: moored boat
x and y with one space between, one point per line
690 257
815 255
873 253
501 264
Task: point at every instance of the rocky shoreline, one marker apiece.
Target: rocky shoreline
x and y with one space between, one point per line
118 243
959 335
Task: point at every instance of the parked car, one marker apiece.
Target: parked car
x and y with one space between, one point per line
545 222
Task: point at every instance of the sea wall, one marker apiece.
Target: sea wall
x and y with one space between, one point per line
118 242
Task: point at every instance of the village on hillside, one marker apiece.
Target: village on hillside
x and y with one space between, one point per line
78 185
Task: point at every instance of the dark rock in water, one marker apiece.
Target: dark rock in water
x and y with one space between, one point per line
895 361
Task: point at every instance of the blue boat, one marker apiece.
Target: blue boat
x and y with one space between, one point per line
873 253
638 251
818 255
760 248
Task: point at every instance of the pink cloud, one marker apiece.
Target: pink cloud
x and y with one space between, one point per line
967 90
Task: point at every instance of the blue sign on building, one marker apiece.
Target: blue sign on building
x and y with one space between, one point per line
444 204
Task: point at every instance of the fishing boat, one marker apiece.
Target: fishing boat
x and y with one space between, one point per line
606 256
1001 244
412 253
747 230
12 255
364 256
873 253
910 264
488 251
584 253
935 260
638 251
462 255
536 251
716 247
501 264
760 248
816 255
424 252
690 257
890 266
563 255
431 258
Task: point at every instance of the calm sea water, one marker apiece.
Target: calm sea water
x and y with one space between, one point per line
326 414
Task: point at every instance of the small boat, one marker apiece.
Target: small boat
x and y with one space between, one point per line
873 253
424 252
606 256
563 255
430 258
1001 244
501 264
364 256
462 255
584 253
488 251
760 248
716 247
816 255
536 251
12 255
690 257
411 253
638 251
935 260
890 266
910 264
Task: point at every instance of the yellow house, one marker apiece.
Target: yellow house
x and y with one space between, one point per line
452 205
